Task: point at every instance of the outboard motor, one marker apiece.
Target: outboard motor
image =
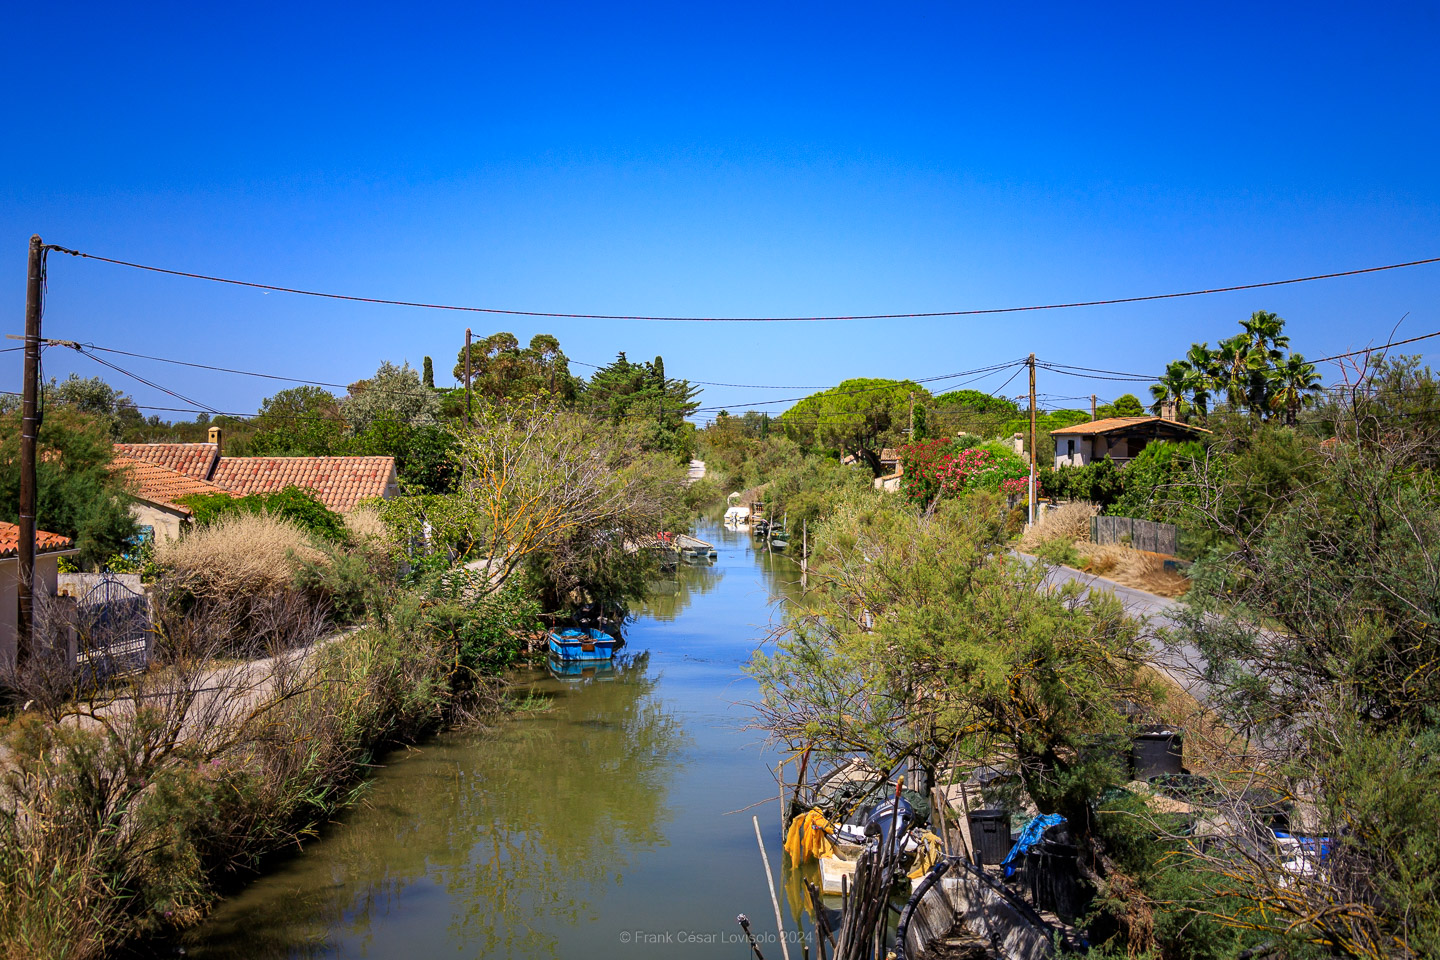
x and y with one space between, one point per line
889 816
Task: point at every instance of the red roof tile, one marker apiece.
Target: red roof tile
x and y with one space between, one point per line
44 542
338 482
1119 423
195 460
161 485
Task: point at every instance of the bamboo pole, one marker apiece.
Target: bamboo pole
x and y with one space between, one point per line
770 877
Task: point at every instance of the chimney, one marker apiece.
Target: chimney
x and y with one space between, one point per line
215 439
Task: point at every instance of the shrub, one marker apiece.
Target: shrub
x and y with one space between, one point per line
242 552
300 507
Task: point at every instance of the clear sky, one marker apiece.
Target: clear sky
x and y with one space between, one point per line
736 159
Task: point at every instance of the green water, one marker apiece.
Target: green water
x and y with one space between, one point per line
595 828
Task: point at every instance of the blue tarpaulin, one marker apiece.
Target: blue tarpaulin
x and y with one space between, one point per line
1030 836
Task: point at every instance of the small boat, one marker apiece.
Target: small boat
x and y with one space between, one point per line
780 540
577 643
735 515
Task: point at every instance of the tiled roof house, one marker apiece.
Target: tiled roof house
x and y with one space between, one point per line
1119 438
194 460
338 482
155 490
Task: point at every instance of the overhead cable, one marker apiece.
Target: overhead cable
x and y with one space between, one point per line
793 319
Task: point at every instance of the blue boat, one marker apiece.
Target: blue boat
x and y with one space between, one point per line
575 643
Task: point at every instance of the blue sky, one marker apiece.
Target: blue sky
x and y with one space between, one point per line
722 160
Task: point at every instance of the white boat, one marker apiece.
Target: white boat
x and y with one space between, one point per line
736 514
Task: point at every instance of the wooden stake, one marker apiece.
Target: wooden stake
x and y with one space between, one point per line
774 900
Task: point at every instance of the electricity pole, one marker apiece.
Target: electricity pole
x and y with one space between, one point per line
29 434
467 378
1034 461
912 416
1092 407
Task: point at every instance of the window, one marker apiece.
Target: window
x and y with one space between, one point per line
1070 448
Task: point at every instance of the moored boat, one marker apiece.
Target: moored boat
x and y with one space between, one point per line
581 643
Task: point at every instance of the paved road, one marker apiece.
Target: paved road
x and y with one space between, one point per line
696 472
1156 613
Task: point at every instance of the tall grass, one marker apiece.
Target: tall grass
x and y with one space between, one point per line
243 552
117 824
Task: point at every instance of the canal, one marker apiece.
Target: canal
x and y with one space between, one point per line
599 824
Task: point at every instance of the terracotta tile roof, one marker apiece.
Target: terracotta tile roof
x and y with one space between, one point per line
195 460
338 482
159 484
1119 423
44 542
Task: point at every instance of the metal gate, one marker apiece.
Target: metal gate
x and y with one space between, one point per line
112 630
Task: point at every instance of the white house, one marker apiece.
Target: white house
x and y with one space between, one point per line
49 548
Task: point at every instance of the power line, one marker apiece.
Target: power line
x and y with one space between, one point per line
873 316
836 392
1383 346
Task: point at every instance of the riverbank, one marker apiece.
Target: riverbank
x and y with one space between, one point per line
122 824
556 831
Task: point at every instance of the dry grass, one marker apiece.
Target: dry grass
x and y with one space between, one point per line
245 552
1132 568
1070 522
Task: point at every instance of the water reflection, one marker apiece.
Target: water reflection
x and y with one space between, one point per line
516 828
553 832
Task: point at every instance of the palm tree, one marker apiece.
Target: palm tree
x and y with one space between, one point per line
1293 386
1263 330
1200 380
1171 388
1232 368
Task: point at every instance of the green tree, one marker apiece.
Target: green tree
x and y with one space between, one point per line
1172 388
77 494
500 368
93 396
1126 405
859 417
1294 385
1317 634
393 394
623 391
428 377
920 640
298 422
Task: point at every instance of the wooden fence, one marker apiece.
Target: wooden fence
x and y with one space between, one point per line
1139 534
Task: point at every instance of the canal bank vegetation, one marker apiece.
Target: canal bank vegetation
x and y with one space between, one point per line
290 647
1303 824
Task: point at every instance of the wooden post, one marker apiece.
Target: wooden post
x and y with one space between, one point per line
1092 408
467 378
29 436
1033 451
774 900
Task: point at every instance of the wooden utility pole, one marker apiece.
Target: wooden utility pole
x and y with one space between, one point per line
29 435
1034 462
1092 408
467 378
912 416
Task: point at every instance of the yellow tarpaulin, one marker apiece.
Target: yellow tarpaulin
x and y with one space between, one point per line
806 839
930 850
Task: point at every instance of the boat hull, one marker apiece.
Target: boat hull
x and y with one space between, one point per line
581 645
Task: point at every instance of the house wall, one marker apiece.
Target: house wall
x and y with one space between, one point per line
1081 455
46 573
166 523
